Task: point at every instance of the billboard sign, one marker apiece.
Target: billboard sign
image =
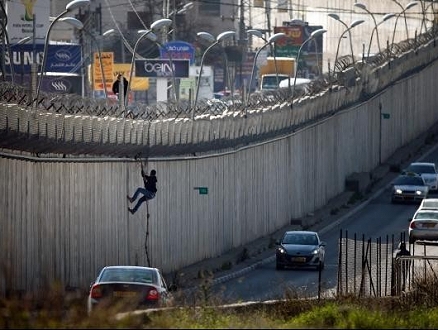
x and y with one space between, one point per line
62 84
136 83
21 14
107 59
297 32
154 68
60 58
179 50
57 83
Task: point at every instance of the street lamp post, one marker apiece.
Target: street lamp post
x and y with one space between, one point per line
149 35
6 36
363 7
352 25
102 72
313 35
174 87
175 12
430 5
158 24
68 8
348 29
270 40
20 42
123 42
385 18
408 6
423 14
208 37
259 34
98 46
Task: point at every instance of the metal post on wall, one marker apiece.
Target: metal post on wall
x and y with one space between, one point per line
3 32
34 66
380 133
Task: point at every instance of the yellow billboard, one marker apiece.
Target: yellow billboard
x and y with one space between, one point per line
107 64
111 70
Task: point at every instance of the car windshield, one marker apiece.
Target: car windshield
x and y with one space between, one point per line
421 169
128 275
301 239
426 215
431 204
271 82
409 180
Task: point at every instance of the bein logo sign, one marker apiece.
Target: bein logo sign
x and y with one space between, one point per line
166 68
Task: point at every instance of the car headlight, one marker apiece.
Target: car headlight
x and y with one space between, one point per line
281 250
316 251
418 192
398 191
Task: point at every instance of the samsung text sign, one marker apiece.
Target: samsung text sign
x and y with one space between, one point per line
60 58
153 68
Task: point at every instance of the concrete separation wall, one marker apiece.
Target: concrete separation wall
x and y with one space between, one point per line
65 216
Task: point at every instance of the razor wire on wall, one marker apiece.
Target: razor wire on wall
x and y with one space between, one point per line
75 104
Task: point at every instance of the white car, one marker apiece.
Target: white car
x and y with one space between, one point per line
424 226
429 204
427 171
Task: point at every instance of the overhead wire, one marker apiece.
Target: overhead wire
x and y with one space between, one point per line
125 41
138 16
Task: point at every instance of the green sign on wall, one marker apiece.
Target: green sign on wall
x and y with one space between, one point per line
202 190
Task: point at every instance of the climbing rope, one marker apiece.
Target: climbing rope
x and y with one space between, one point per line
146 248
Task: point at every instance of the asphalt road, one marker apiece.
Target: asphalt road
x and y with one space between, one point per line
374 218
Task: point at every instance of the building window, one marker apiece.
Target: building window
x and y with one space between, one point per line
211 7
138 20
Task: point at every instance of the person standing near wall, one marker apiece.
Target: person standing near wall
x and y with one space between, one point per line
121 83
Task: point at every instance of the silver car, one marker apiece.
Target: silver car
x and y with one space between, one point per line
299 248
409 188
129 288
424 226
427 171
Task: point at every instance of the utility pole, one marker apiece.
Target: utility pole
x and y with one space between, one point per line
3 36
268 16
243 45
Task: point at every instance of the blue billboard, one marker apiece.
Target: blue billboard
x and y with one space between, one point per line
60 58
179 50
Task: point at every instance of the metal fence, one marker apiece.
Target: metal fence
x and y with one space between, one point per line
371 267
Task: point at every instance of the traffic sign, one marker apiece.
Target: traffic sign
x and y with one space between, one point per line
202 190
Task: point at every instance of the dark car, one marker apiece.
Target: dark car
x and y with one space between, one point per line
409 187
299 248
129 288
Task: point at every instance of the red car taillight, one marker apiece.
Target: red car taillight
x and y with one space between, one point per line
412 225
153 295
96 292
